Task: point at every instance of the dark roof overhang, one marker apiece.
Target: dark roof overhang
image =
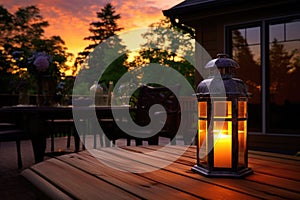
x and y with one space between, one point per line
190 9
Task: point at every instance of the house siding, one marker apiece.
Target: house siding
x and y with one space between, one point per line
210 21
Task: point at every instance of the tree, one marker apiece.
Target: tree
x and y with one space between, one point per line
284 65
249 66
22 35
169 46
106 51
101 30
6 25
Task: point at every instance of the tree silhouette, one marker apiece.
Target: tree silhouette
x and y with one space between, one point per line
101 30
22 35
166 45
248 66
106 54
283 65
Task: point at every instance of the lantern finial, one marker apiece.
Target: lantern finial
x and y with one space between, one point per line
222 65
222 55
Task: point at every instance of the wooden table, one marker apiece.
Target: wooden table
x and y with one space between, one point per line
35 119
82 176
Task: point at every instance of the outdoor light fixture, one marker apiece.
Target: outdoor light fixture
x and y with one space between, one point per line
222 122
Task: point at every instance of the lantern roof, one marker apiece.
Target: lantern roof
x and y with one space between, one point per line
222 62
222 87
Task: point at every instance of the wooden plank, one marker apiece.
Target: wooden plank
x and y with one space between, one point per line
256 187
168 154
292 165
264 191
256 154
284 166
173 152
175 181
146 162
108 156
132 183
276 159
246 186
184 150
216 191
76 183
276 165
292 168
273 181
204 189
283 183
180 181
274 155
274 171
44 186
190 151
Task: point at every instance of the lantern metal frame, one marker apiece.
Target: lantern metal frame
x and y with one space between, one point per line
231 152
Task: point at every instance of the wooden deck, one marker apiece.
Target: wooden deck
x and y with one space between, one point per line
82 176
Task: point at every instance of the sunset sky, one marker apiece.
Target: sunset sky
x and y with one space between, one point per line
70 19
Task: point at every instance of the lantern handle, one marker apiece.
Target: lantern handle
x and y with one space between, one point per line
222 55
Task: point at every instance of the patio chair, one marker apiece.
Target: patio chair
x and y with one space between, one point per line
188 108
64 127
10 132
148 96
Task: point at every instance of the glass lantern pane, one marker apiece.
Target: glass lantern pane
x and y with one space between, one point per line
242 109
223 144
202 109
222 109
242 138
202 141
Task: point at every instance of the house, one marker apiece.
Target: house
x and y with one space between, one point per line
264 38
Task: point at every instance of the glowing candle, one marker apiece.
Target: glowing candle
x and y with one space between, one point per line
223 147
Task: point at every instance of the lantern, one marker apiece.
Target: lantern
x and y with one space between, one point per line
222 122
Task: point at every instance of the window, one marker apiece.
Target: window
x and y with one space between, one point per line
245 45
284 76
277 66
